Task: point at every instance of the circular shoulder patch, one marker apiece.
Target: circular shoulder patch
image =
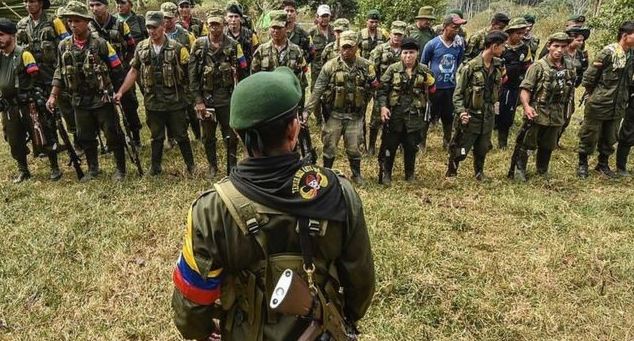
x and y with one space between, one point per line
309 181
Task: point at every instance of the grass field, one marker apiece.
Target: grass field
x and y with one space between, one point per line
550 259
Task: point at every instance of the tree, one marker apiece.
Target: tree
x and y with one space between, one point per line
404 10
610 14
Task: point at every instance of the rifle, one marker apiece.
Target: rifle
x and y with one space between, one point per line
39 139
293 296
383 152
130 146
519 140
74 159
102 147
309 153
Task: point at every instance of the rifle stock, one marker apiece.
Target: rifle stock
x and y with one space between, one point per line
74 159
309 153
130 147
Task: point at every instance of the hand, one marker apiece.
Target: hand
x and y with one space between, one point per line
201 110
530 112
385 114
496 108
51 103
464 118
117 97
304 117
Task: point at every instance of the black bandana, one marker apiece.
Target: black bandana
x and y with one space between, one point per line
286 184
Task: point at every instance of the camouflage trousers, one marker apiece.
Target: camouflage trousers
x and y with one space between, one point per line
352 131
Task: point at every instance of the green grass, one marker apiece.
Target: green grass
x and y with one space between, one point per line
550 259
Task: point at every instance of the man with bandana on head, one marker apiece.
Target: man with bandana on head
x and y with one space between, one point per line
271 214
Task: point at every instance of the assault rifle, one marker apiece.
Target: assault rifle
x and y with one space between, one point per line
130 146
74 159
309 153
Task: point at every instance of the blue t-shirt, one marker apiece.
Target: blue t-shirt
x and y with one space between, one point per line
443 60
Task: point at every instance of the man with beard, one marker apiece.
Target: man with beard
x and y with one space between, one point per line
422 30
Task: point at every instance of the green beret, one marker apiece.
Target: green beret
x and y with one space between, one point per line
575 31
559 36
577 18
374 14
264 97
516 24
529 18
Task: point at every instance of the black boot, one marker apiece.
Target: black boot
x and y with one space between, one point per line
387 162
478 167
582 169
446 136
452 168
157 158
23 171
622 153
520 165
212 158
92 159
503 138
372 141
355 167
328 162
188 156
119 157
603 166
410 165
542 160
56 174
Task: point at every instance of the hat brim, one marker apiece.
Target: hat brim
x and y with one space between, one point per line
348 42
397 31
217 20
152 23
514 28
425 17
67 15
583 31
322 13
277 24
169 15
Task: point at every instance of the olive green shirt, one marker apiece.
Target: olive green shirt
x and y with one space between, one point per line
422 36
383 56
319 43
268 58
367 42
475 44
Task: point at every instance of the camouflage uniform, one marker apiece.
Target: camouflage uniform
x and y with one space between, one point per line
475 44
194 26
136 24
319 43
367 42
249 42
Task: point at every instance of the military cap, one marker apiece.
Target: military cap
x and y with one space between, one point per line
453 19
169 9
456 11
501 17
398 27
77 9
349 38
153 18
529 18
183 1
558 36
215 15
104 2
7 26
264 97
278 18
410 44
236 8
577 18
323 9
516 24
575 31
341 24
374 14
426 12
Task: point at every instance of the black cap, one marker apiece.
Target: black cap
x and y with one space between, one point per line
409 44
501 17
7 26
235 8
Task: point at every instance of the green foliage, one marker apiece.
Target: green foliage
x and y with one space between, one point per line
404 10
606 23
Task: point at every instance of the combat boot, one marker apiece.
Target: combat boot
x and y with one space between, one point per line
603 167
503 138
157 158
521 165
23 172
355 167
372 141
119 157
478 167
328 162
542 161
92 159
582 169
622 153
410 165
452 168
188 156
56 174
446 136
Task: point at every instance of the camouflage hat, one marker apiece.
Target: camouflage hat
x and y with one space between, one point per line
169 9
559 36
349 38
215 15
398 27
374 14
278 18
264 97
516 24
341 24
426 12
77 9
153 18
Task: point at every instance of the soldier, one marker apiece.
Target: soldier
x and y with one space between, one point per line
443 55
159 66
517 58
579 59
531 40
462 33
88 68
422 30
475 45
382 57
477 88
193 25
213 69
18 81
546 90
118 34
321 34
606 81
296 33
243 35
372 35
186 39
279 51
575 20
222 258
344 86
626 136
402 98
332 49
135 22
